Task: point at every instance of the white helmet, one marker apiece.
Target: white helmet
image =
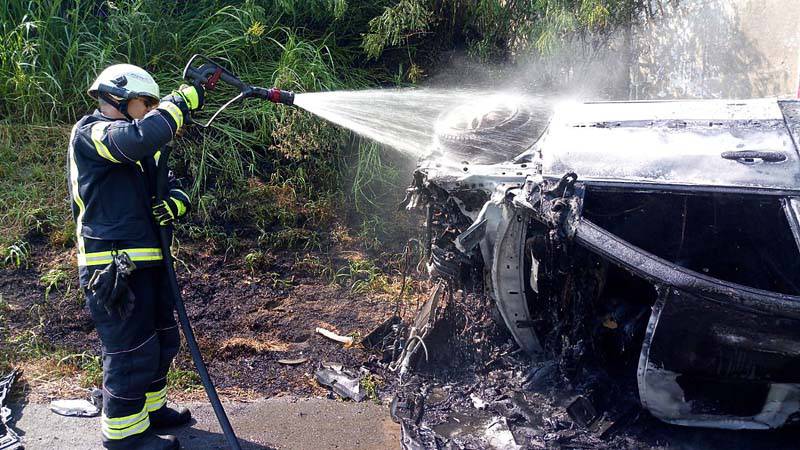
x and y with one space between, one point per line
128 77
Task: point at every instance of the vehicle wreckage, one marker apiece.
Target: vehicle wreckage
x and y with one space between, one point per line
659 236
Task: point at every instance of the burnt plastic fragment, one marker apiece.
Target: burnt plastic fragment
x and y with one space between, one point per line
582 411
383 336
9 440
342 384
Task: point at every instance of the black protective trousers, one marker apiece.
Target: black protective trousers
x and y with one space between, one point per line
137 353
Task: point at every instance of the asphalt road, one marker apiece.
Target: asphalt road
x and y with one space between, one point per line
281 422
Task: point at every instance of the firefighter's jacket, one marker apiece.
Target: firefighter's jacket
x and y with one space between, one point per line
112 184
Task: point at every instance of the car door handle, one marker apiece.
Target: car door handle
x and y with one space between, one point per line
754 156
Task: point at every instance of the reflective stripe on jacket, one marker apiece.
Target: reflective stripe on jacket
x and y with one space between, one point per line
112 184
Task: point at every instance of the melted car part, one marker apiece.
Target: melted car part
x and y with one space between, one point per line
420 329
742 239
640 237
341 382
9 440
712 365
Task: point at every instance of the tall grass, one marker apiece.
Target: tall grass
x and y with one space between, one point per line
489 29
33 194
51 50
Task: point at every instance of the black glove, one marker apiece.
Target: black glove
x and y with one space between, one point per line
168 210
110 286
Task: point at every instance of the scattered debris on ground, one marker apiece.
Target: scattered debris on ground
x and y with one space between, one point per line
252 332
79 407
346 340
292 362
8 438
479 391
341 381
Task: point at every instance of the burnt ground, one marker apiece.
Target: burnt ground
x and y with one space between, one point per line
248 318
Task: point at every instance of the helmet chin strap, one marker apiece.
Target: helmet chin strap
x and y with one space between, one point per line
119 105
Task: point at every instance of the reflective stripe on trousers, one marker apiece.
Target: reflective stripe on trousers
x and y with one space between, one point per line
115 428
155 400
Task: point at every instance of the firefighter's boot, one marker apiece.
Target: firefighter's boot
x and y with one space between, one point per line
165 417
148 440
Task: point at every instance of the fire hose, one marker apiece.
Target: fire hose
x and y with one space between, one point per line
207 75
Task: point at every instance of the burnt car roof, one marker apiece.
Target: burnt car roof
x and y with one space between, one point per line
700 145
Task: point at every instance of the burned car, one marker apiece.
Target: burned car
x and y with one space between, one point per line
661 237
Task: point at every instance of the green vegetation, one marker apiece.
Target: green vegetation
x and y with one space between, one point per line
17 255
183 380
57 278
32 188
370 384
51 50
361 276
41 360
488 29
89 366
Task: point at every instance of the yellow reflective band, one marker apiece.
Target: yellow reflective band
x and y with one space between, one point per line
155 400
125 421
189 93
159 393
173 111
76 195
144 254
98 129
117 434
151 407
136 254
94 259
157 156
115 428
181 206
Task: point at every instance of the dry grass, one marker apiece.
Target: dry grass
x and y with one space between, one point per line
239 345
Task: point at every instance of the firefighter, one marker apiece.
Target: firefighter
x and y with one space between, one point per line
112 162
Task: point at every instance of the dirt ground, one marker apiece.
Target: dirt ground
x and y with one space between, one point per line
245 322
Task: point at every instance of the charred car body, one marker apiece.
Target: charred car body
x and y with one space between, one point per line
661 237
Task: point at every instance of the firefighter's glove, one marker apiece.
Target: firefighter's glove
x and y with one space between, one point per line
168 210
194 96
110 288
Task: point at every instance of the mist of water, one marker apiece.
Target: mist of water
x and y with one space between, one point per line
419 122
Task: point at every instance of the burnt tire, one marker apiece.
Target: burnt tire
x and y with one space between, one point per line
488 136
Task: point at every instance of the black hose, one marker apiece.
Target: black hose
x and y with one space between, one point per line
191 342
